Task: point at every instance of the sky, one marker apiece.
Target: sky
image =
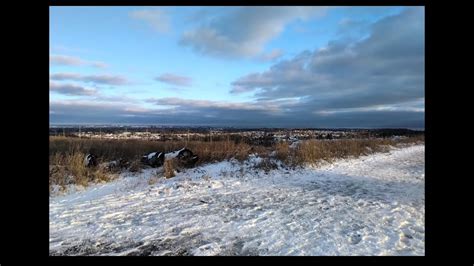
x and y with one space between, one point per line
289 66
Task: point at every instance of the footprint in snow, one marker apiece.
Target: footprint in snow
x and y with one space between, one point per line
354 238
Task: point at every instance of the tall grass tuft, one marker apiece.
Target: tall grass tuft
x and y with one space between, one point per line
170 166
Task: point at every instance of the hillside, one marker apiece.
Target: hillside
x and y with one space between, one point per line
371 205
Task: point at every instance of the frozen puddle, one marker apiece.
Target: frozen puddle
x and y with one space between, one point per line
373 205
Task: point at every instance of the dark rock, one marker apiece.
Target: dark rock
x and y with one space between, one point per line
154 159
116 165
187 158
90 160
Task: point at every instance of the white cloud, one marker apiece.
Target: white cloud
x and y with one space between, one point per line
386 68
99 79
74 61
174 79
155 18
272 55
207 104
244 31
70 89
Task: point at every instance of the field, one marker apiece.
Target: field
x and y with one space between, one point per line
67 154
370 205
356 196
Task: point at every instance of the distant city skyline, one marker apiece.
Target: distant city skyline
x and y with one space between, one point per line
305 67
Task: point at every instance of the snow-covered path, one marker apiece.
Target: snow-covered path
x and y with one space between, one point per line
373 205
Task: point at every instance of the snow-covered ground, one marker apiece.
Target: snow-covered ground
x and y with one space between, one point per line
372 205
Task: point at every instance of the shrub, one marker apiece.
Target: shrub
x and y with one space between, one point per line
266 164
70 169
170 166
282 150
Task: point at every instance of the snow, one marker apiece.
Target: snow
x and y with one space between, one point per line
372 205
173 154
87 159
151 155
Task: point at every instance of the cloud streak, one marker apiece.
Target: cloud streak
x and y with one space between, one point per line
271 56
155 18
199 114
70 89
174 79
206 104
98 79
66 60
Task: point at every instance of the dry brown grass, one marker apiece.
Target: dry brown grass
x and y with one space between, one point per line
170 166
65 170
282 150
67 154
135 166
132 150
315 151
